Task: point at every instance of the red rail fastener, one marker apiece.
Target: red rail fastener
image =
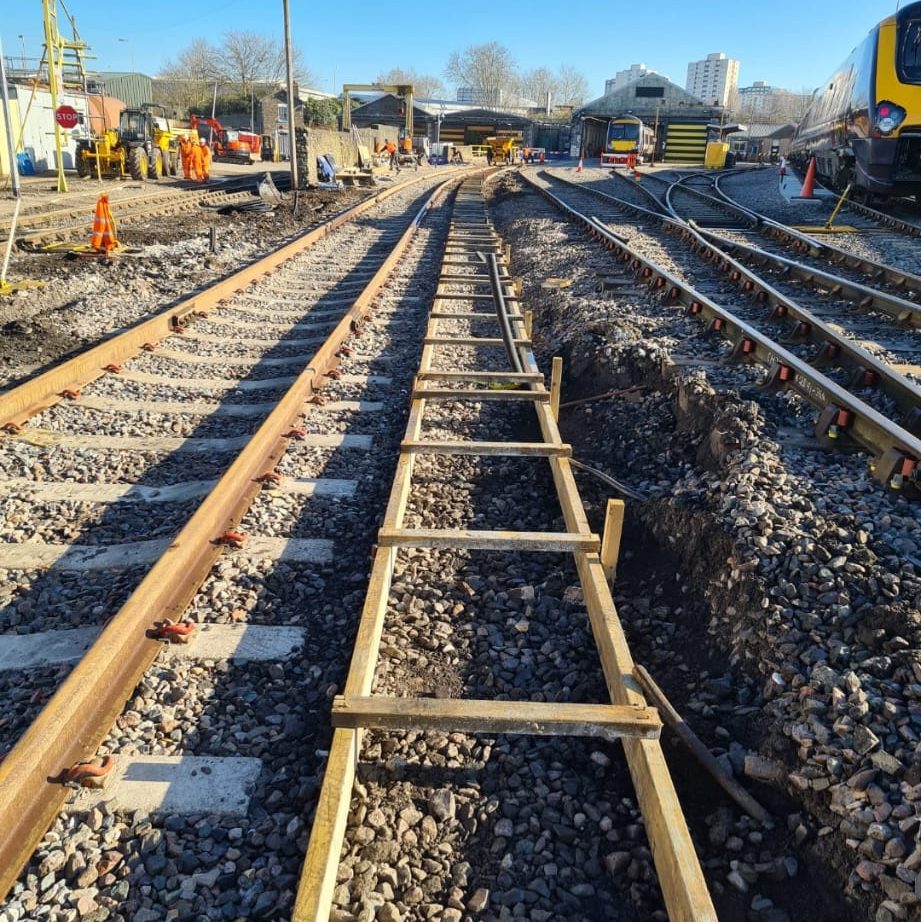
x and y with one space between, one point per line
785 373
673 292
297 434
735 275
269 477
113 368
232 539
149 347
70 393
172 631
660 282
718 324
318 399
80 774
344 352
748 346
803 329
12 428
334 373
694 308
748 285
870 378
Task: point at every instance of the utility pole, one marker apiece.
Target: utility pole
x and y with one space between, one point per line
290 68
5 287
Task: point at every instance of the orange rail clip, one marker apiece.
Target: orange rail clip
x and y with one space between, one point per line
81 772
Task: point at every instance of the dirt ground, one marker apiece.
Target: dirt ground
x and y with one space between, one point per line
83 299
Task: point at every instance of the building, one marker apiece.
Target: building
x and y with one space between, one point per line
713 80
755 99
133 89
766 142
625 77
680 120
474 96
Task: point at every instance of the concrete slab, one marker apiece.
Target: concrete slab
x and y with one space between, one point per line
238 643
144 377
175 493
30 555
350 406
212 339
50 438
247 362
175 784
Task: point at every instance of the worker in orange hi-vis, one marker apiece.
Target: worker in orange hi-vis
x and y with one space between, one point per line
205 161
185 152
197 162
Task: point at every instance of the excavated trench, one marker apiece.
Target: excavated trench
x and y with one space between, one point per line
685 621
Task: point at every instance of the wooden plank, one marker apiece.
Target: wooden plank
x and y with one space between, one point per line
474 341
444 296
445 393
556 381
535 718
610 542
472 315
500 376
488 540
540 449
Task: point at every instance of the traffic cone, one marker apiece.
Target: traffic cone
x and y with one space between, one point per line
103 239
579 167
809 181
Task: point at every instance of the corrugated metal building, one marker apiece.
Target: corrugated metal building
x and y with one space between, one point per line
132 88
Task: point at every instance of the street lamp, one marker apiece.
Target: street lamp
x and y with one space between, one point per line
130 45
22 46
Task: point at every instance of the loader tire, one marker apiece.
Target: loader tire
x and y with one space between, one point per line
138 165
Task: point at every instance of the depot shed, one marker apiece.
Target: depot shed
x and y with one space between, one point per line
679 119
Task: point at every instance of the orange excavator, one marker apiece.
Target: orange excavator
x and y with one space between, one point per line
227 143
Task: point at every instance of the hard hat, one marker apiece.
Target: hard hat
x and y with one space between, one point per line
201 140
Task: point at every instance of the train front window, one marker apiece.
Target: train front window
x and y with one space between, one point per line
909 55
623 132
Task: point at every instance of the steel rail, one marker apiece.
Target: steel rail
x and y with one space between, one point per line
834 347
77 718
682 882
902 310
821 248
19 402
712 201
148 204
897 452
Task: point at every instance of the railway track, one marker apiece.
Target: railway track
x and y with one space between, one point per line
69 223
440 703
824 356
151 484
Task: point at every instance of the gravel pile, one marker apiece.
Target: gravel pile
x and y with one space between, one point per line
807 572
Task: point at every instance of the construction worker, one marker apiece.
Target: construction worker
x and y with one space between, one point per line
205 161
197 161
391 150
185 152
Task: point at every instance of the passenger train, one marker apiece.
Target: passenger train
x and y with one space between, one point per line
864 125
627 137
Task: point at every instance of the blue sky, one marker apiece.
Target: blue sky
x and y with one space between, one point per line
792 45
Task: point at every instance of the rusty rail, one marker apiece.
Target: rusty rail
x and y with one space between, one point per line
76 720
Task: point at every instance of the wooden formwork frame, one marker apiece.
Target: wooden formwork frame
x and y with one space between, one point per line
82 711
627 717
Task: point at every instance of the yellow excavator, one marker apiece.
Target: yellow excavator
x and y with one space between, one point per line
504 149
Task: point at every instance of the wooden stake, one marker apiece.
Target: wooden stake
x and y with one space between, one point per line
610 542
700 752
556 379
528 324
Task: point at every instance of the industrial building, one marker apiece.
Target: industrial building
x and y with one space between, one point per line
679 119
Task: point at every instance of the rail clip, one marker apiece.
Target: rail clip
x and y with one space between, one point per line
172 631
86 774
232 539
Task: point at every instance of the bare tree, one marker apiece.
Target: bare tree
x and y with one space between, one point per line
572 87
426 86
566 87
188 80
488 69
536 84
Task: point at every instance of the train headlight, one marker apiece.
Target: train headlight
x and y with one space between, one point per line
888 117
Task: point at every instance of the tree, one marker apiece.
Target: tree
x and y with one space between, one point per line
488 69
188 81
566 87
572 87
426 86
248 57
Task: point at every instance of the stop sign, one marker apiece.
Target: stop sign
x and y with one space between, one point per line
67 116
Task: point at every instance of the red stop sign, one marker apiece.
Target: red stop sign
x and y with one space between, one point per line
67 116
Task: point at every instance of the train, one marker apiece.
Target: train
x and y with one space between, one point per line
863 126
628 141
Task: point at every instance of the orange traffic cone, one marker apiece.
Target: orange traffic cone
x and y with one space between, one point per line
579 167
104 238
809 181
